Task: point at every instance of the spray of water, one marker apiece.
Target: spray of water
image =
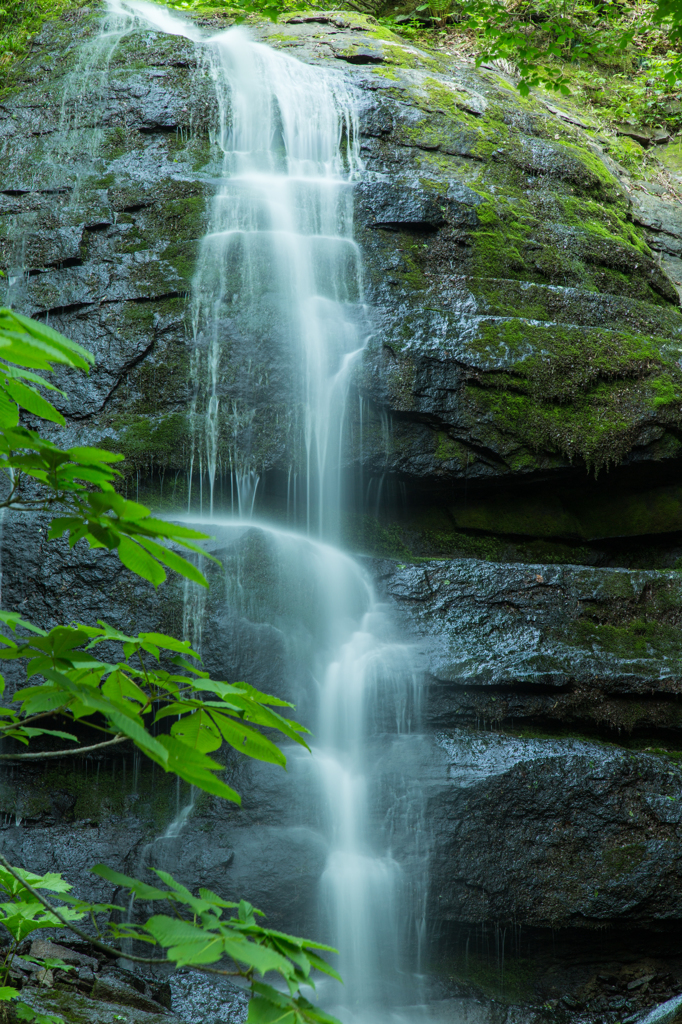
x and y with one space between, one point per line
279 264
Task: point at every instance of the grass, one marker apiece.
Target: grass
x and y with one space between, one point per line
21 19
636 85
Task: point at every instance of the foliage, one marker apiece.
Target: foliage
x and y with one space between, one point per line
532 33
207 938
21 914
127 697
622 59
195 934
78 481
132 694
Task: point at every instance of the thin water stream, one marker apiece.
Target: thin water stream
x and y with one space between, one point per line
279 260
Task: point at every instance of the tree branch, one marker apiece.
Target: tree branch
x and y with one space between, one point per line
62 753
103 947
95 943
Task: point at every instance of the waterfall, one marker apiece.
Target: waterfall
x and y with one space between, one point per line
356 686
279 259
279 263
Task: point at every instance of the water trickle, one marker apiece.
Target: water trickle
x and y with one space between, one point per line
279 272
279 262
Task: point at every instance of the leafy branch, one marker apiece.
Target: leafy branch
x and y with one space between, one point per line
80 481
148 682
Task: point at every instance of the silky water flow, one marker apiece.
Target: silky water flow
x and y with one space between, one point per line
279 261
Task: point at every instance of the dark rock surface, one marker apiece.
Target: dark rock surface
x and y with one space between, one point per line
575 834
541 644
519 318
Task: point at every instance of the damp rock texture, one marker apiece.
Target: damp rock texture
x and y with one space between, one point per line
555 832
519 315
539 644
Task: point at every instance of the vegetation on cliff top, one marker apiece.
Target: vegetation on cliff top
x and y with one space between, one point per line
621 62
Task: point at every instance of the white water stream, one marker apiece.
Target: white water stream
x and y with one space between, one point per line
279 258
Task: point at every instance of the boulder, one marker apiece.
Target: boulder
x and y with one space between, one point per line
559 646
519 319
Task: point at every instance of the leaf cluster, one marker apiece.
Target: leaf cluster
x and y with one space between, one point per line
537 40
127 697
22 913
196 933
80 481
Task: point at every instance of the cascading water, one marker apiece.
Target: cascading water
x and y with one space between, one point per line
279 261
359 692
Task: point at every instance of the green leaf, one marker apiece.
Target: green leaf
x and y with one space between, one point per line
52 881
197 731
170 643
43 338
174 561
141 889
196 768
14 620
264 1011
49 732
121 689
140 562
246 740
9 414
27 1013
7 992
92 456
30 400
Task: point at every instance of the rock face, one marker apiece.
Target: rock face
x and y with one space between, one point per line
524 326
519 319
533 644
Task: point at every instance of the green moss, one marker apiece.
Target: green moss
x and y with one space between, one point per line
366 533
509 981
183 258
447 449
498 254
595 178
574 392
627 152
387 72
623 859
400 55
638 639
400 381
164 442
566 513
665 391
432 534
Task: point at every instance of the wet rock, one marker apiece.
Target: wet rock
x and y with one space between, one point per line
202 1000
44 949
114 987
555 833
552 644
80 1009
669 1012
494 233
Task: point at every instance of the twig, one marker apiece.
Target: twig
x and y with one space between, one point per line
103 947
5 727
62 753
95 943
